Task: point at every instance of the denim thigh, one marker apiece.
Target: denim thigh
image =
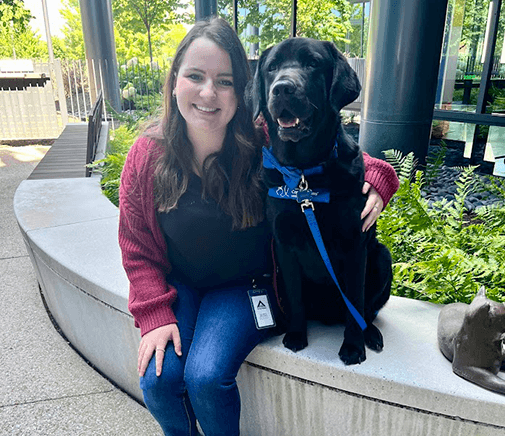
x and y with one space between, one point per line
225 334
217 333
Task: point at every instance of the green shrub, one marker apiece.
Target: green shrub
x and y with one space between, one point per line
148 103
146 79
441 252
110 167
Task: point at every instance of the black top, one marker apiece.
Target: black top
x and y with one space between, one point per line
203 249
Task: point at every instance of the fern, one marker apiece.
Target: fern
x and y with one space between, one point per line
441 252
434 163
465 186
494 186
492 215
404 166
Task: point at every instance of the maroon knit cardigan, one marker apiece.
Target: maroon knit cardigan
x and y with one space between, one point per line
143 245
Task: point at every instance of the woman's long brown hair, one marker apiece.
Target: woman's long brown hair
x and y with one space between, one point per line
231 176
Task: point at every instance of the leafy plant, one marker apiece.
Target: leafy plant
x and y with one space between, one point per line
434 162
111 166
441 252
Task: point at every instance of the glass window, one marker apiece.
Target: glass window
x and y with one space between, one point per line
455 131
355 45
466 36
460 63
495 147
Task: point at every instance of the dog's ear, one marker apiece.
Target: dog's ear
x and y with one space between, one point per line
255 89
345 86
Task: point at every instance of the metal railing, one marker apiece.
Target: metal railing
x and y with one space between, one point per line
94 128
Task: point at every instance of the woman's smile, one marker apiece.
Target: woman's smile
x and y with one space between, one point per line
206 109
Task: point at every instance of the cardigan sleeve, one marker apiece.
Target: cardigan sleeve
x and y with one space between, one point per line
381 176
142 244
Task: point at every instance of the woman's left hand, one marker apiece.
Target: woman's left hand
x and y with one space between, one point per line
373 206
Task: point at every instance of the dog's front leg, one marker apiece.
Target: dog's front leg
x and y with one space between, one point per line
352 350
296 336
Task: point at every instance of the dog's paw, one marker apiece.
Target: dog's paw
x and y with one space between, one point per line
350 354
295 341
373 338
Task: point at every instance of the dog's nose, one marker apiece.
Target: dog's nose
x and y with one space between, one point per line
283 87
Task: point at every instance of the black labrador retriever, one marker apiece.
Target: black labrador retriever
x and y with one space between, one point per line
299 86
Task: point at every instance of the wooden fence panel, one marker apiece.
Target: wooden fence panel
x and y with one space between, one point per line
29 113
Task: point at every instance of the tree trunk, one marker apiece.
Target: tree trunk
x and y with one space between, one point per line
149 42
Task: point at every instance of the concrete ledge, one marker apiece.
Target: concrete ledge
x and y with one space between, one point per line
70 230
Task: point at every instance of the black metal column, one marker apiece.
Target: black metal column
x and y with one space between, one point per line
235 15
405 40
98 30
294 10
205 9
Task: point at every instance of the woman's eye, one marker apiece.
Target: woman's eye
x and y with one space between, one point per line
194 77
226 83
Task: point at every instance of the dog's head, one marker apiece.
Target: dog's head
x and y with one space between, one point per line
299 85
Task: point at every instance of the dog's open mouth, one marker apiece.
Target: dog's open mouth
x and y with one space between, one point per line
292 128
288 123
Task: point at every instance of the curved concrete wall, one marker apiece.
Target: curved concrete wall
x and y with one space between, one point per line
70 230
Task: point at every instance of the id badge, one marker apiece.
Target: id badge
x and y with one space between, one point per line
262 311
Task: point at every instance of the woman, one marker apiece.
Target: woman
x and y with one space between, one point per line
191 192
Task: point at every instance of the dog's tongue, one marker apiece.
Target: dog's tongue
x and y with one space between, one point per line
286 123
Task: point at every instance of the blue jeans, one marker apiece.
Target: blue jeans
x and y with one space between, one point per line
217 333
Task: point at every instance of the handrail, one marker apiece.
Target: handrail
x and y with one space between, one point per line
94 128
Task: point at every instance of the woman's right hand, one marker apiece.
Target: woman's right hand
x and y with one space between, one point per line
156 341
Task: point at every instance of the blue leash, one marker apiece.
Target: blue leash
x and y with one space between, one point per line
297 188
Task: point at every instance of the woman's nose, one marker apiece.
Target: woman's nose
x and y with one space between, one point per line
208 89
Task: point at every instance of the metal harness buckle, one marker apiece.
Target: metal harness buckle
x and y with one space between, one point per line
303 186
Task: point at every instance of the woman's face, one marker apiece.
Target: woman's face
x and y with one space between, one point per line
204 89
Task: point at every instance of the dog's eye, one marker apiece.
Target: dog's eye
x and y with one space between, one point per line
272 67
313 63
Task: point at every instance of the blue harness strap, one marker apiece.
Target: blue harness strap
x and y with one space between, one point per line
291 175
283 192
314 228
296 188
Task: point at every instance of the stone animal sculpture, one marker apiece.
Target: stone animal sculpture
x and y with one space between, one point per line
471 337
